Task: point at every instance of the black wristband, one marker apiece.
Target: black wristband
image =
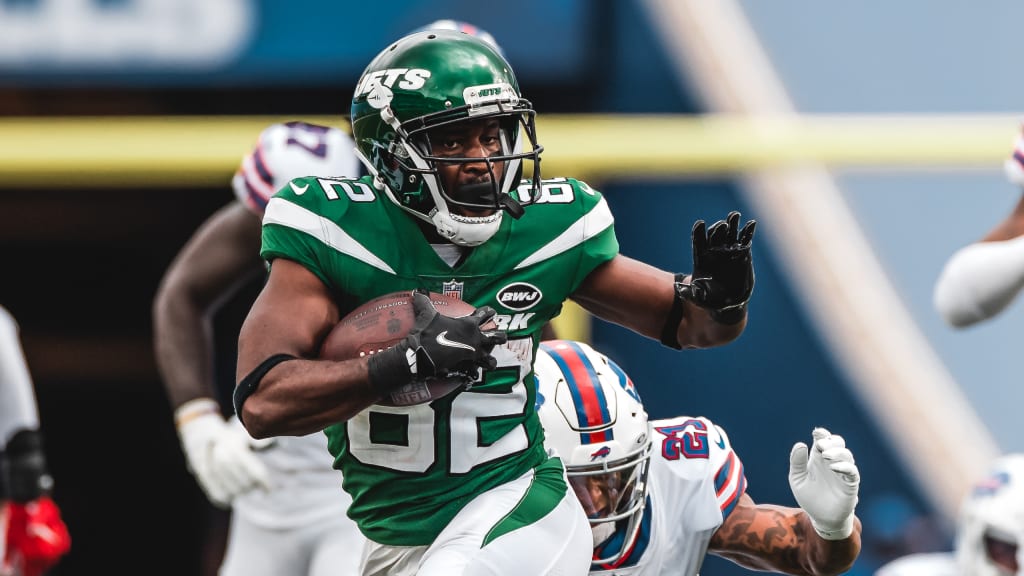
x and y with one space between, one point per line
729 316
249 384
669 336
24 467
389 370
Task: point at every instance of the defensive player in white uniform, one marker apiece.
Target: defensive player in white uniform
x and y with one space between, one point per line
661 494
983 278
289 513
989 530
33 536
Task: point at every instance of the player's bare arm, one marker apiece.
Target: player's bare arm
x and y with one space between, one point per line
290 317
640 297
703 309
282 389
981 279
217 260
781 539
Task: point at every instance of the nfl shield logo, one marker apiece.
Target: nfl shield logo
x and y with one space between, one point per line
452 289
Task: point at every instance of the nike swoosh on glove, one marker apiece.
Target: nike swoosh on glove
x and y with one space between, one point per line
825 483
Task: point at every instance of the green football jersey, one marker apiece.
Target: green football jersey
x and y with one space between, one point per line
410 469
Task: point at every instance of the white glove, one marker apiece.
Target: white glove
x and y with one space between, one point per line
219 452
825 484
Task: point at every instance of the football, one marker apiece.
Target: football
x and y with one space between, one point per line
383 322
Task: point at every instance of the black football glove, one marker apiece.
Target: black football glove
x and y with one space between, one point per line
723 270
437 347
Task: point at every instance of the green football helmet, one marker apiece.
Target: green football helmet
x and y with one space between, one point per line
437 78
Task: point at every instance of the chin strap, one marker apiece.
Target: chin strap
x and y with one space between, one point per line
511 205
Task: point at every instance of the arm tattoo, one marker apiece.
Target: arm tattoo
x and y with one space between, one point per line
760 538
780 539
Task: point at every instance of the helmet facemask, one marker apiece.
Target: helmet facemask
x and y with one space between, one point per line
611 492
414 153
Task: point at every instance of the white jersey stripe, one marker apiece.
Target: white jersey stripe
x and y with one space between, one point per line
591 224
284 213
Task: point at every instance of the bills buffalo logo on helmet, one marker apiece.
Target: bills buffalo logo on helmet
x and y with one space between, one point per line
601 452
519 296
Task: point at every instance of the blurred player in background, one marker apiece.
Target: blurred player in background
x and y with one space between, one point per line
660 494
990 530
33 536
981 279
462 485
289 514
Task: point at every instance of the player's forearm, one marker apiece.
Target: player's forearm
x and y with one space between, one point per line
979 281
299 397
781 539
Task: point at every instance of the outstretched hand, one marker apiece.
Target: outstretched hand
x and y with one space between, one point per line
825 483
723 269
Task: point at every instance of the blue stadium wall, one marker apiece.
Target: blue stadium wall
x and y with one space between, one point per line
776 383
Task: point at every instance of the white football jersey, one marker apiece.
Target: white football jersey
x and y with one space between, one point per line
694 483
305 485
934 564
17 397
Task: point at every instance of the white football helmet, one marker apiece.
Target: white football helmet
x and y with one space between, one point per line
991 525
466 27
594 420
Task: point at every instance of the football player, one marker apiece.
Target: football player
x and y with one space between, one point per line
33 536
981 279
989 531
464 484
288 515
661 494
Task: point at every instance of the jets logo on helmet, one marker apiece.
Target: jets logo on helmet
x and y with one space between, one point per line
390 78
